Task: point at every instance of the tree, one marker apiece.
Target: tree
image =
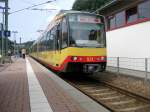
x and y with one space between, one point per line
88 5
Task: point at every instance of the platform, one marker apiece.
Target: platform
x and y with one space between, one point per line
27 86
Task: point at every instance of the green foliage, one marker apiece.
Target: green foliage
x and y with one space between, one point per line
28 44
10 43
88 5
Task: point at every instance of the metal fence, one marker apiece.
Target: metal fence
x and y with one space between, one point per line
138 67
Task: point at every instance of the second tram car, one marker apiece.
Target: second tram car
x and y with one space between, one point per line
73 42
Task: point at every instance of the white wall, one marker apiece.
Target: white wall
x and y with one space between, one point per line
132 41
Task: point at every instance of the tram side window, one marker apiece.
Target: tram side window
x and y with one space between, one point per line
111 22
144 9
131 15
64 33
39 46
47 38
52 38
49 41
35 48
45 42
120 19
42 44
59 36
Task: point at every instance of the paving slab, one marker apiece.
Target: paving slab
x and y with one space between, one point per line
14 95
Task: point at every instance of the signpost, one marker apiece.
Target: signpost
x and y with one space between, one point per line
4 26
2 39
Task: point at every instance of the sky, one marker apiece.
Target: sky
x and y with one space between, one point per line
28 22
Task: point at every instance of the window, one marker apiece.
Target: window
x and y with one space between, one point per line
86 31
52 38
59 36
131 15
39 46
49 47
51 35
144 9
64 33
44 42
140 11
120 19
111 22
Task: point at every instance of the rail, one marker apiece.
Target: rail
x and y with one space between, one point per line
113 98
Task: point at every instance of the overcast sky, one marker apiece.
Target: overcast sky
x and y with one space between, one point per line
28 22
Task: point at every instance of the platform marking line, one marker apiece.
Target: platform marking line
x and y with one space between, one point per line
38 100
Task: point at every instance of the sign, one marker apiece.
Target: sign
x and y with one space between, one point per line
5 33
88 19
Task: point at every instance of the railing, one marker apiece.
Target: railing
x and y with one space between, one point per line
138 67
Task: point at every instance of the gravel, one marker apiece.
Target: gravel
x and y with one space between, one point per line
132 84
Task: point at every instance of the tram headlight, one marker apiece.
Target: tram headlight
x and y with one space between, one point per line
74 58
103 58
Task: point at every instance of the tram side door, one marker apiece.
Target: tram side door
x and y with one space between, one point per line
58 45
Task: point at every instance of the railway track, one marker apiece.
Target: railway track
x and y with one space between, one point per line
113 98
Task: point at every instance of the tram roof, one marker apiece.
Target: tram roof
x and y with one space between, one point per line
64 12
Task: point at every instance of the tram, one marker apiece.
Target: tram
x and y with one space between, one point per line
73 42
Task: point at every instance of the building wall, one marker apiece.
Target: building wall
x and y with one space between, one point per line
132 41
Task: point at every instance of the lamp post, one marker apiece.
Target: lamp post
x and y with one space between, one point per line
14 32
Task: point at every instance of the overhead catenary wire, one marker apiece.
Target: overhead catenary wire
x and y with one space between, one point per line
38 9
32 6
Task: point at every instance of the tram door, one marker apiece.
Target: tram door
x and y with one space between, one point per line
61 41
58 45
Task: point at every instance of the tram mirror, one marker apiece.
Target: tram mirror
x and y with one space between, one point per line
72 43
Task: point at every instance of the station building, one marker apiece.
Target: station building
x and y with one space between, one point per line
128 28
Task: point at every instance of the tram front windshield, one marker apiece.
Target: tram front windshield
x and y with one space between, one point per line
86 30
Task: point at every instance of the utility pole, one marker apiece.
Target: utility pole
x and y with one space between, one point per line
3 40
20 41
6 25
20 45
2 30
